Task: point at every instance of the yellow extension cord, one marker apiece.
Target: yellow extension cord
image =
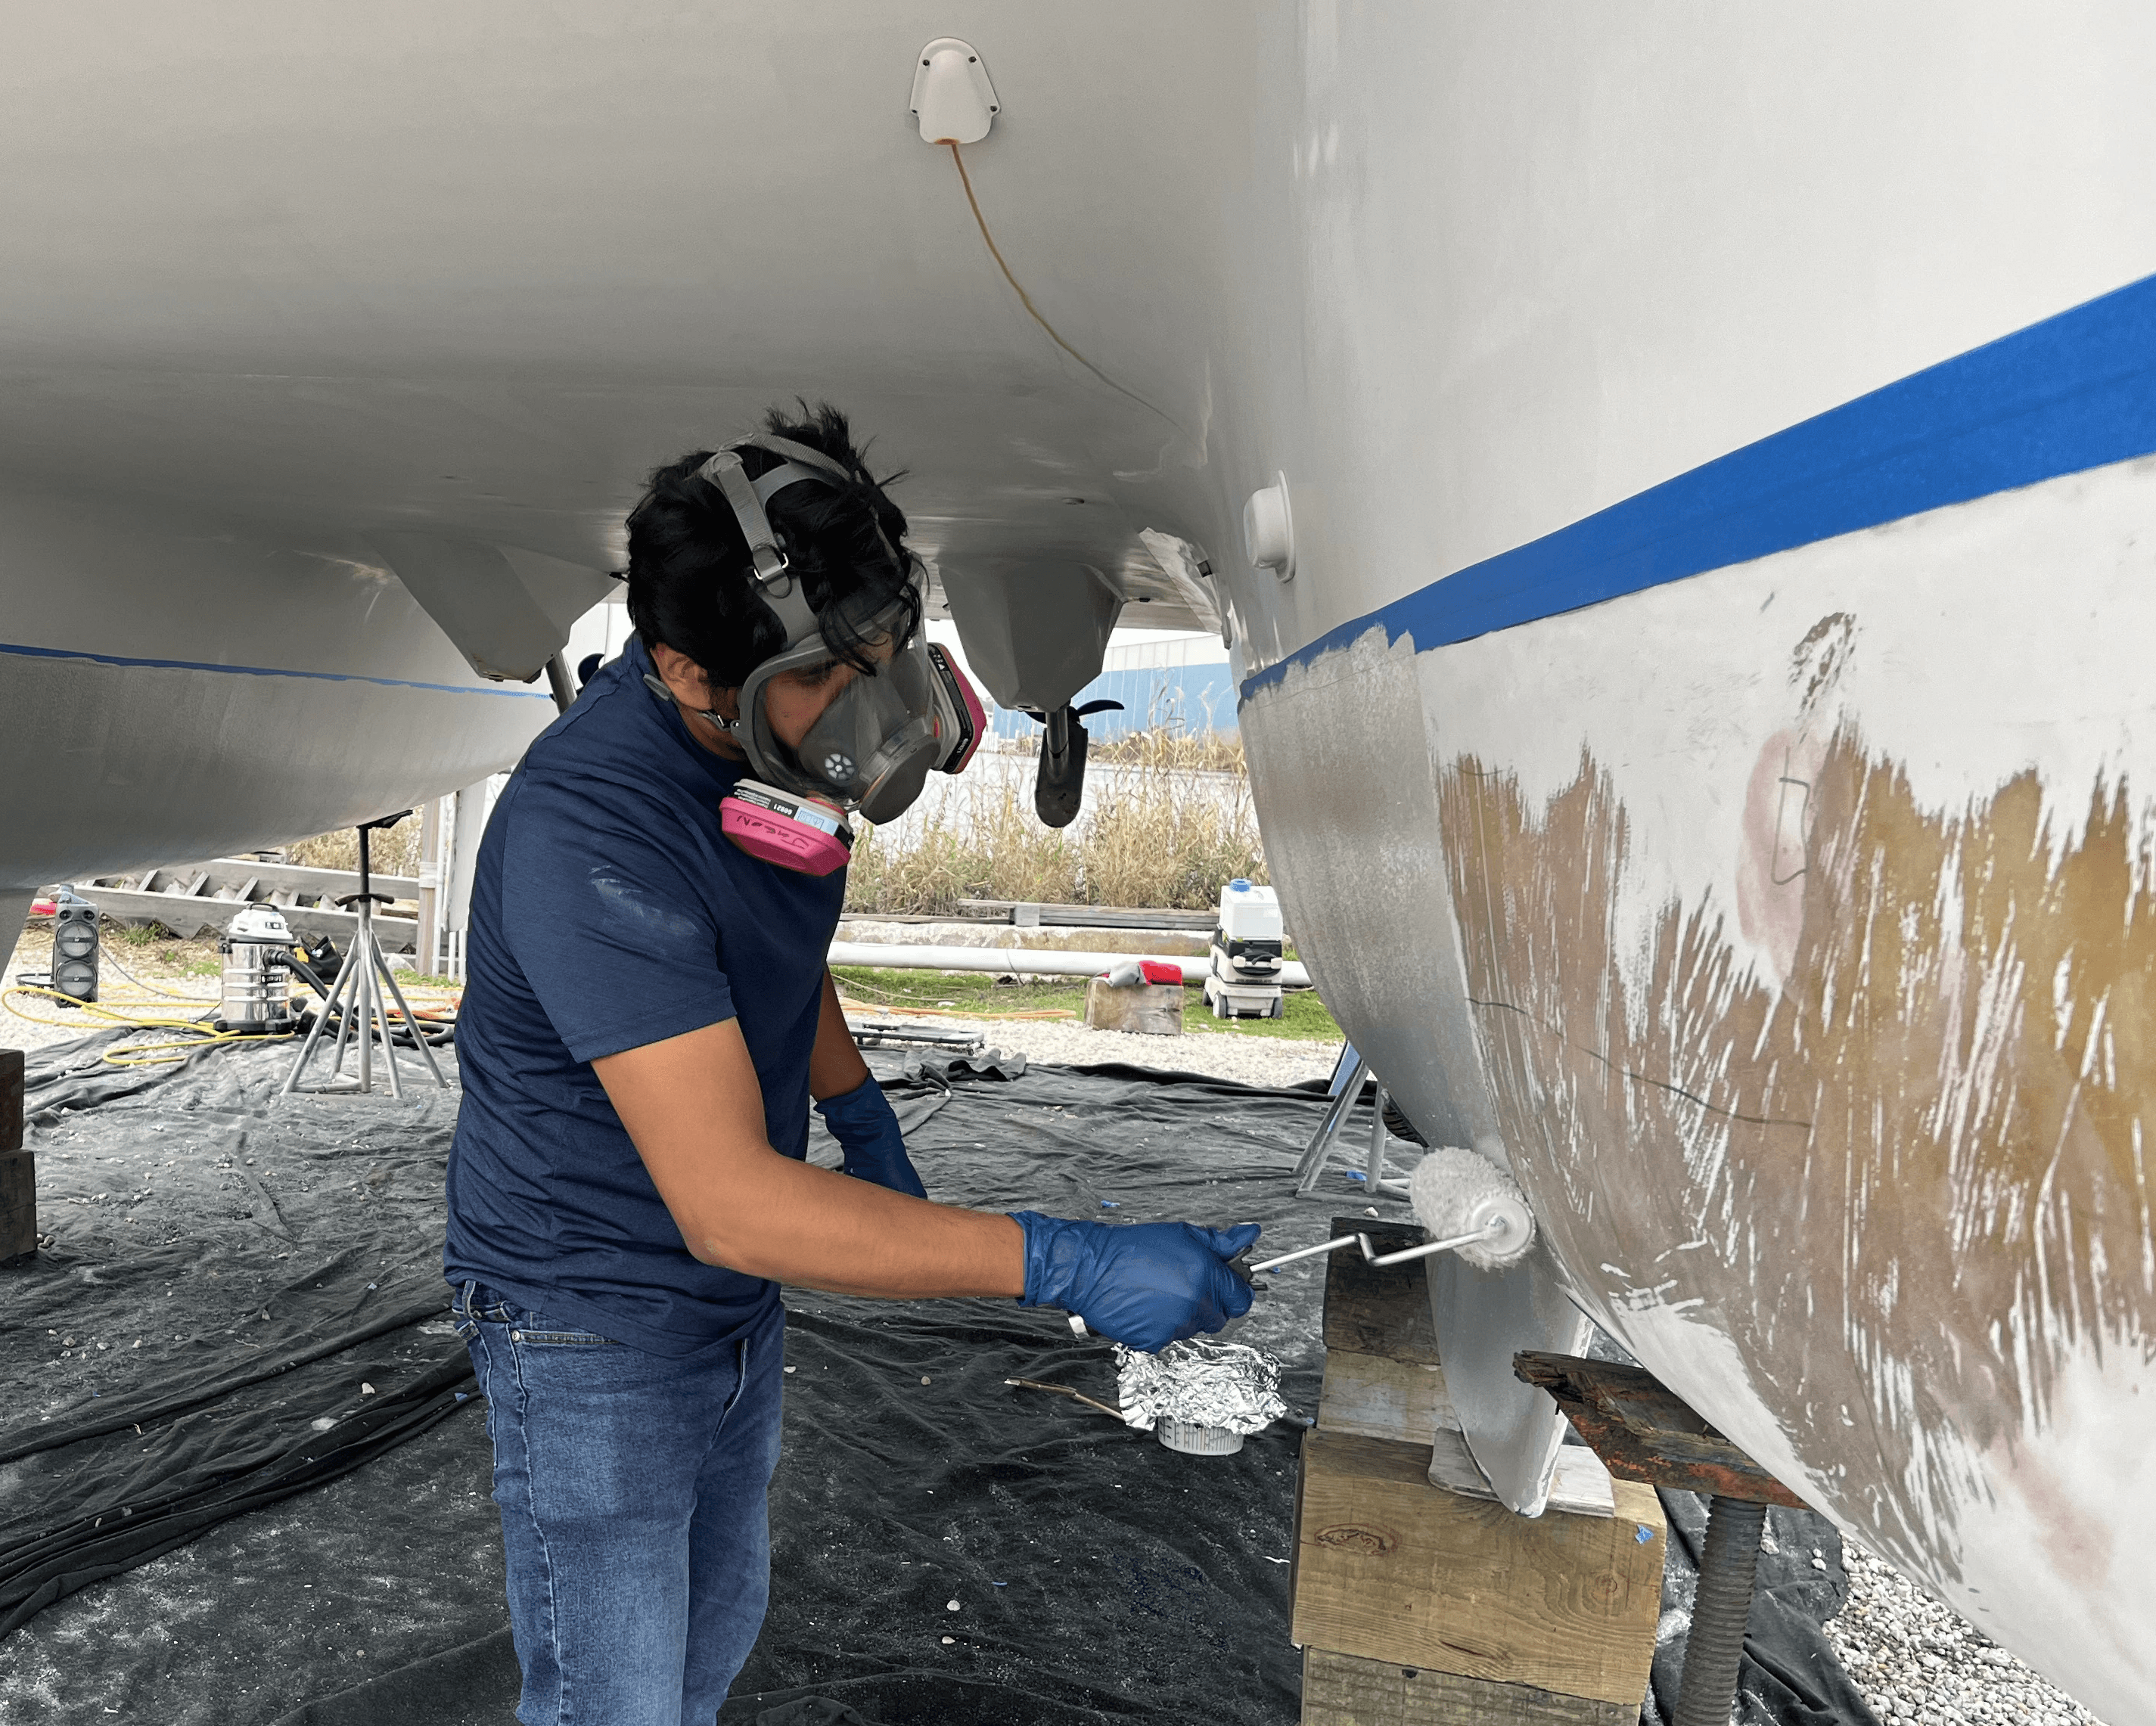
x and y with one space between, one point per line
200 1034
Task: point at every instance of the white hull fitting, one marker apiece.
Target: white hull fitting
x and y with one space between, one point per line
1814 1015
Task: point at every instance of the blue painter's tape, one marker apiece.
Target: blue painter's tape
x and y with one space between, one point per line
2075 392
327 677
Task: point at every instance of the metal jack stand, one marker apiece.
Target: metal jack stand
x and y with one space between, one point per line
1643 1432
1319 1150
356 999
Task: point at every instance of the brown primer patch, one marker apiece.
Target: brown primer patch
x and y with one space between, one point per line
1916 1169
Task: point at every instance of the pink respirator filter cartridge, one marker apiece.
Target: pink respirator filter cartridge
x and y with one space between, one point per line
776 827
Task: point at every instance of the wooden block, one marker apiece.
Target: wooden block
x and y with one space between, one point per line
11 1099
1345 1690
1150 1009
18 1204
1390 1567
1375 1397
1369 1311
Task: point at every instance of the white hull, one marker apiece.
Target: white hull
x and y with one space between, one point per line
171 691
1793 940
1782 926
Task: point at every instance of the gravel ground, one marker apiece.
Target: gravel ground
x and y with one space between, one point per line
1064 1042
1918 1661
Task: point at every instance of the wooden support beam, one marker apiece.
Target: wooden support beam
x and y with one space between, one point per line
1345 1690
11 1099
1419 1600
1371 1310
1373 1397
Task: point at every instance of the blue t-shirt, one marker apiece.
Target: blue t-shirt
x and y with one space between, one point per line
608 911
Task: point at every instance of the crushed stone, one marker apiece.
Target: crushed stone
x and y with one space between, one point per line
1918 1661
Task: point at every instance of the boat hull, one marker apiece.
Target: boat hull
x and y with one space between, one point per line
174 687
1788 929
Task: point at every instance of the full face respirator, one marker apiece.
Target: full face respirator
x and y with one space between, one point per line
873 745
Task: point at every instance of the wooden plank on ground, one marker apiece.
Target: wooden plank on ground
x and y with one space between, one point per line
186 916
1148 1009
1346 1690
1385 1310
1004 910
1390 1567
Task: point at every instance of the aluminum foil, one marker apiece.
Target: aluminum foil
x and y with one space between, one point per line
1226 1385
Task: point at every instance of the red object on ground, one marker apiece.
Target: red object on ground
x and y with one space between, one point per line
1160 970
42 908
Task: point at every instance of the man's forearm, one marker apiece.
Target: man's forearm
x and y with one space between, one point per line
692 1107
816 1228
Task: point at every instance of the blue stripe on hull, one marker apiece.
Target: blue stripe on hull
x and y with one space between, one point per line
329 677
2075 392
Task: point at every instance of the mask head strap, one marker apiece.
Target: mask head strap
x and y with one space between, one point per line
748 497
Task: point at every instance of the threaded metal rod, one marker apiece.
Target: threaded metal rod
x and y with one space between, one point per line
1708 1691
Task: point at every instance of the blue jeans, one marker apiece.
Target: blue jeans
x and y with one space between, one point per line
632 1492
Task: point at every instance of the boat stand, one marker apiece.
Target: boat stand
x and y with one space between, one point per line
1416 1598
1347 1086
356 1000
1643 1432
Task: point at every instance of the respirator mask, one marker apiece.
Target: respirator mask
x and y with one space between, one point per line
872 748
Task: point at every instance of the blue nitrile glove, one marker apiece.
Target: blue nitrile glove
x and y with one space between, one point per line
867 1131
1144 1285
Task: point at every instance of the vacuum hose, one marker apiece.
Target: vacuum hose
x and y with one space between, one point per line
1719 1611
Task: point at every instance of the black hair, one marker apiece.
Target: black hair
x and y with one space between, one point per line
691 585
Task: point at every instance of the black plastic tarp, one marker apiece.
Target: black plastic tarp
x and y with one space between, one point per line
278 1257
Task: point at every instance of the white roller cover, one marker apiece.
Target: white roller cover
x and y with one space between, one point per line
1456 1192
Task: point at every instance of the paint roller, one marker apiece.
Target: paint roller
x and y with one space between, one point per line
1473 1208
1468 1205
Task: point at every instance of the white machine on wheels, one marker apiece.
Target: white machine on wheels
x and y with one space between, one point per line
1248 944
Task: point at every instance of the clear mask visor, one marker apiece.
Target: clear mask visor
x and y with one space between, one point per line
872 747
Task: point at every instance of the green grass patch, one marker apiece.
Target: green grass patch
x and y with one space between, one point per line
1305 1018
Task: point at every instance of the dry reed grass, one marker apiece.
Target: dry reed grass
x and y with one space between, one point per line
1170 827
1161 830
392 851
1158 746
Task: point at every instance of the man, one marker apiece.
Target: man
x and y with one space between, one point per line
647 1018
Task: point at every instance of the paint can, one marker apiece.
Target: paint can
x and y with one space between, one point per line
1196 1441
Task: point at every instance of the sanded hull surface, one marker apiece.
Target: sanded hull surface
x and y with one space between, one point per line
1788 929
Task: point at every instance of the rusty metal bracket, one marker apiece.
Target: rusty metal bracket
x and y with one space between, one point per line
1642 1431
